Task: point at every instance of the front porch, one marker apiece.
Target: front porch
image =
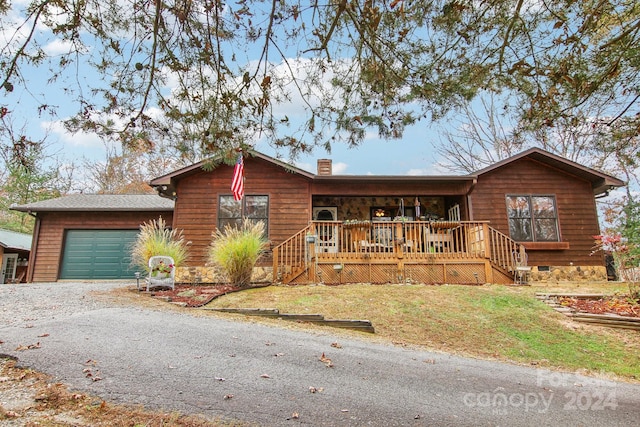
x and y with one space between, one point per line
333 252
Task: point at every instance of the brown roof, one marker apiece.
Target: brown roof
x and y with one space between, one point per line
100 202
600 181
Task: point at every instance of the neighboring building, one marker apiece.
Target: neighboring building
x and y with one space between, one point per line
14 252
463 231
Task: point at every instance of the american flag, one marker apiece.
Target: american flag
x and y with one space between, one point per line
237 183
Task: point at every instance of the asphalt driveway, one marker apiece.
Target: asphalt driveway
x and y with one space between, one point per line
263 374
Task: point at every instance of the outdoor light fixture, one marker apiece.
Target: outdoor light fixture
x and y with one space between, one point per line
379 213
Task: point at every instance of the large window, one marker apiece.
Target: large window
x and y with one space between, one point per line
231 211
533 218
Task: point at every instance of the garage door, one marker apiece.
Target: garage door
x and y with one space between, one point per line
97 254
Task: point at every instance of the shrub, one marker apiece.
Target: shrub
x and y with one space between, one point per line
156 238
237 249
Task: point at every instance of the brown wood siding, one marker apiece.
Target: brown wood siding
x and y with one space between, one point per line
388 188
196 209
46 259
577 213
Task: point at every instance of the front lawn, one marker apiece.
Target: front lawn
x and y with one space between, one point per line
491 321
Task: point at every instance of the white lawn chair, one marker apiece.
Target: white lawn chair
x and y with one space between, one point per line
155 280
522 271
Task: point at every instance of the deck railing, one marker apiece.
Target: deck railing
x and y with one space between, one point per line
291 256
340 242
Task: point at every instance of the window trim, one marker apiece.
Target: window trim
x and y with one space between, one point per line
537 244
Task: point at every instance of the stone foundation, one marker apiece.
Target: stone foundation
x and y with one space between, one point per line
568 273
209 275
555 274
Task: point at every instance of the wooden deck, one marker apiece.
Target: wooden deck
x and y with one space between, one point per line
458 252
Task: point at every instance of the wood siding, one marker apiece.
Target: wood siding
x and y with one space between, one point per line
356 187
577 213
196 209
46 259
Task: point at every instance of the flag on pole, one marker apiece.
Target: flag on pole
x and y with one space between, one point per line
237 183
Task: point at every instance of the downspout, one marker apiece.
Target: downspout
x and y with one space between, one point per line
32 253
468 196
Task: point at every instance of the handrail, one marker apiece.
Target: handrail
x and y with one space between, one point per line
289 256
338 241
502 248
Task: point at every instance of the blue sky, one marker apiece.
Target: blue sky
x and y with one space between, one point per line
413 154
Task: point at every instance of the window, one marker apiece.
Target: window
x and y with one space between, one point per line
231 212
533 218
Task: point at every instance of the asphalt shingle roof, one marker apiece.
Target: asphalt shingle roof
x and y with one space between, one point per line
100 202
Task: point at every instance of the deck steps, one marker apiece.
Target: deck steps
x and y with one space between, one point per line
358 325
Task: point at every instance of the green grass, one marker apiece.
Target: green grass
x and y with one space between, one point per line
499 322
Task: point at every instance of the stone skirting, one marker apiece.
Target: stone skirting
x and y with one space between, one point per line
215 275
265 274
569 274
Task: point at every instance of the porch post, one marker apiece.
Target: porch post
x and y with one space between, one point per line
311 264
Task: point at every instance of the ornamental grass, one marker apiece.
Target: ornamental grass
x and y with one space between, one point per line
155 239
237 249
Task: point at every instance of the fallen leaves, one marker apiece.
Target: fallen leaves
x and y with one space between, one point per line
88 371
324 359
28 347
621 306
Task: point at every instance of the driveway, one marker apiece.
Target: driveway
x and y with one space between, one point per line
262 374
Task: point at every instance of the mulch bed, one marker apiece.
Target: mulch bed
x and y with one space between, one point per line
194 295
619 305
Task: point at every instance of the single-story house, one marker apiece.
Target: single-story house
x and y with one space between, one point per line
352 228
14 252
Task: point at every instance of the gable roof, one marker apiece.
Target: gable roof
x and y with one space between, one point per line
100 202
197 167
601 182
165 184
13 240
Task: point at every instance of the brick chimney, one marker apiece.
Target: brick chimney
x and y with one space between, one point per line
324 167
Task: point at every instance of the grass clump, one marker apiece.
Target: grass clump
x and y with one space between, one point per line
155 239
237 249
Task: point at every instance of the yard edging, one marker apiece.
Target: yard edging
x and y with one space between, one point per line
609 320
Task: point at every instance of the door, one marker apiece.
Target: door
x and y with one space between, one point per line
327 234
9 264
98 254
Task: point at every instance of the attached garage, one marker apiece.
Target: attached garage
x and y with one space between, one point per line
97 254
87 237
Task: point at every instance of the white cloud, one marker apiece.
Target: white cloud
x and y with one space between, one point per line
57 47
339 168
87 142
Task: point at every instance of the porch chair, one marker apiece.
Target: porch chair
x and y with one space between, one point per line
437 240
521 271
384 238
153 281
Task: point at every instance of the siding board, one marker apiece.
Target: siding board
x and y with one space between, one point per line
577 213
